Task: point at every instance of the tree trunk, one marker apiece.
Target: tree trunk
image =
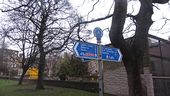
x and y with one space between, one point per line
41 67
25 68
139 45
135 82
132 52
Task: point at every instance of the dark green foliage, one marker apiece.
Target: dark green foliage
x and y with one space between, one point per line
73 67
77 67
64 71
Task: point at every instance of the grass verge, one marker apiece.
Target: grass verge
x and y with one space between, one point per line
10 88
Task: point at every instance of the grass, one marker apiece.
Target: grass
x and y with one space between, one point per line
10 88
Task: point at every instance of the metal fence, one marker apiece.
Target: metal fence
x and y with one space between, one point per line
161 86
160 65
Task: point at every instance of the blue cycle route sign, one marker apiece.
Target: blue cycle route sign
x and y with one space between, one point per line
98 33
111 54
86 50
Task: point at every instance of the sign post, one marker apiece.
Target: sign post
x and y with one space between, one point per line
98 33
88 51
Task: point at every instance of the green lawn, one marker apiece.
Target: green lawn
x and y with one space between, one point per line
10 88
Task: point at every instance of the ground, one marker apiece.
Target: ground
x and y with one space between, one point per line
10 88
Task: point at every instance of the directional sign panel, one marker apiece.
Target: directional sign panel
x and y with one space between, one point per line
85 50
111 54
88 51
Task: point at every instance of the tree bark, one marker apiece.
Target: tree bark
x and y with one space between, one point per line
25 68
136 87
41 67
160 1
26 65
132 52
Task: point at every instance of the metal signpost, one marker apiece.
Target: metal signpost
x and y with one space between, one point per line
88 51
98 33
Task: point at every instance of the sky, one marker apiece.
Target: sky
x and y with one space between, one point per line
102 8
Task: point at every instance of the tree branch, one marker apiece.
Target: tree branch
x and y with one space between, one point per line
160 1
91 21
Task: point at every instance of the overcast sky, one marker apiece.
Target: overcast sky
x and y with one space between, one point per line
102 8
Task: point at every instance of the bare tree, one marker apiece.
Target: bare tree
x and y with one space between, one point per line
19 35
133 53
51 23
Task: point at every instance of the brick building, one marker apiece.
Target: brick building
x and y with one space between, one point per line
9 61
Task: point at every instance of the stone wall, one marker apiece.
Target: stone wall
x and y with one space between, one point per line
149 83
115 82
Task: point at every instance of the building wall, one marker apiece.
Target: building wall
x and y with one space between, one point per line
9 62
